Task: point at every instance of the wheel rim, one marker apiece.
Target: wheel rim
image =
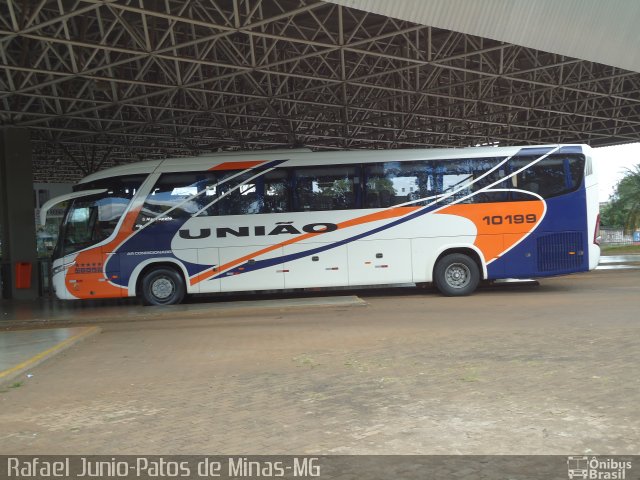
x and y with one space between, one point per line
457 275
162 288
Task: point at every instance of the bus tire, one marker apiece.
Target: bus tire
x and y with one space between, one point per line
163 286
456 275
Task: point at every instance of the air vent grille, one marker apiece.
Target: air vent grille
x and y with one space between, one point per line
560 252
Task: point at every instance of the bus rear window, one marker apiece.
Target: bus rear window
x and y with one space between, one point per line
550 177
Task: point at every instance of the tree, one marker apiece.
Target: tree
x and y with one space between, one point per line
375 184
611 215
624 209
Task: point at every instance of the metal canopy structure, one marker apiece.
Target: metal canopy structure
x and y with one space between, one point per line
113 81
595 30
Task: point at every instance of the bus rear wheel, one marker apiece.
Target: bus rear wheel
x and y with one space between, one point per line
456 275
162 286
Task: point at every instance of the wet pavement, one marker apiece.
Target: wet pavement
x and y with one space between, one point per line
52 312
16 347
619 262
24 349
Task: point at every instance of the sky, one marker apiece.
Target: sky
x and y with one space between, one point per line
611 163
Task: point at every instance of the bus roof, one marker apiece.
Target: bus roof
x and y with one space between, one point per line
300 157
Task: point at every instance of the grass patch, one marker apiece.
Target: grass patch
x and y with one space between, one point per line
471 375
305 361
619 249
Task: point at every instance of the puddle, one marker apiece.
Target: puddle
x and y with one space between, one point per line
618 267
605 260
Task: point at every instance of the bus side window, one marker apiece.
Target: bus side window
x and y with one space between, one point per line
178 195
334 187
110 209
245 195
274 189
394 183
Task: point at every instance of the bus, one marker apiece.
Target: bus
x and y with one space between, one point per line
295 219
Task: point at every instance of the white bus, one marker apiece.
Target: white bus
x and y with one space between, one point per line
297 219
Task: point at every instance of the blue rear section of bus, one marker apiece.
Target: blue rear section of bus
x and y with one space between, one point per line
559 245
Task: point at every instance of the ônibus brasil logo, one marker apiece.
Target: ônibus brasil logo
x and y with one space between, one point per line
598 468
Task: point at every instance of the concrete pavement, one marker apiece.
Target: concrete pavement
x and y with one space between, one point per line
511 370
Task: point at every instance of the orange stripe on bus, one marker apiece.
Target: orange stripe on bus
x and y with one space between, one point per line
237 165
373 217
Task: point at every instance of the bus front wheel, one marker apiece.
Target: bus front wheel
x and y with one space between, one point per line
456 275
162 286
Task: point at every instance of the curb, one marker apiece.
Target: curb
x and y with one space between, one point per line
17 370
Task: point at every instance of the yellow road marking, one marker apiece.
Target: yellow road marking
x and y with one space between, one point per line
27 363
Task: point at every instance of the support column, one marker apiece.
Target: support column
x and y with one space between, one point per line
17 221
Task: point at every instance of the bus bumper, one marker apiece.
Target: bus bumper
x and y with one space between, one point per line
58 281
594 256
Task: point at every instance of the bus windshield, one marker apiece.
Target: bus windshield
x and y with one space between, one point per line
91 219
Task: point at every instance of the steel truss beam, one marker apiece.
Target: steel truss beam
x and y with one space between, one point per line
103 82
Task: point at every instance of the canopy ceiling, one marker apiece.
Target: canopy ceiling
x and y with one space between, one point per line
603 31
107 82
